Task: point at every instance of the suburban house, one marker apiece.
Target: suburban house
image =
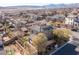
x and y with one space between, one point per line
76 23
45 29
72 20
29 51
69 20
57 17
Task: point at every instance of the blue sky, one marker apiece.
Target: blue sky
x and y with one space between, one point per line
34 2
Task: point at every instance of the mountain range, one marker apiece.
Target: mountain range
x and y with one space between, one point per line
75 5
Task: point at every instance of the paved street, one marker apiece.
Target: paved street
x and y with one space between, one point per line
70 48
75 34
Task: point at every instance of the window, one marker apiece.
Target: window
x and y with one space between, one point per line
75 24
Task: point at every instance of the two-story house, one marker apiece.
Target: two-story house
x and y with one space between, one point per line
69 20
72 20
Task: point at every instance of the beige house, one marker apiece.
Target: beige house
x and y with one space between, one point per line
69 20
72 21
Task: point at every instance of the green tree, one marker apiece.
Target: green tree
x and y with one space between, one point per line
24 41
61 35
10 34
39 41
55 23
50 23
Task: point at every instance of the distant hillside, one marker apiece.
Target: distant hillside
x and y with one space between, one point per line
75 5
24 7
